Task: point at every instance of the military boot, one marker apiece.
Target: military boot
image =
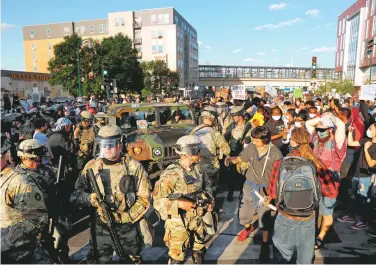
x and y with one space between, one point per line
198 256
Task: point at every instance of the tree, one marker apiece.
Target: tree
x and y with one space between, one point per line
343 87
63 66
117 51
158 78
121 57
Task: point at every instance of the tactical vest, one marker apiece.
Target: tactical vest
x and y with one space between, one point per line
86 139
187 182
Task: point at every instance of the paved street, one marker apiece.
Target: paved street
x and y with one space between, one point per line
343 245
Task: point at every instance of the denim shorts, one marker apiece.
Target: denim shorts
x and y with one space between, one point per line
327 205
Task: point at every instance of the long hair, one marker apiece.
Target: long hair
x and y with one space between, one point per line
301 137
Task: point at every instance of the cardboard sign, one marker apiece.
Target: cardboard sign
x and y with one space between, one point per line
238 92
298 93
367 92
142 124
271 91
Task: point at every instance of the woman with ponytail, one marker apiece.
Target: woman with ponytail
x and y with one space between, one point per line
301 230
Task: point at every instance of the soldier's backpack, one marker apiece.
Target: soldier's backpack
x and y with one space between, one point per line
298 189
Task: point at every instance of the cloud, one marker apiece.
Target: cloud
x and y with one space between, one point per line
277 6
237 50
199 42
208 47
279 25
260 53
324 49
321 26
288 65
274 50
5 26
251 60
312 12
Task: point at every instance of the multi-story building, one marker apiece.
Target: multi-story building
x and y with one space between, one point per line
356 27
157 34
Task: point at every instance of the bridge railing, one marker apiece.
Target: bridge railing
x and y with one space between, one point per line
265 72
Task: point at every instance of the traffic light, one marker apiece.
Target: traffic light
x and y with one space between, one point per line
314 65
370 44
105 73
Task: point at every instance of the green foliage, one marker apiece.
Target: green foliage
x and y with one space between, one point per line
117 51
343 87
159 78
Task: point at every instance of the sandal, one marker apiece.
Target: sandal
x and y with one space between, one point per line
319 243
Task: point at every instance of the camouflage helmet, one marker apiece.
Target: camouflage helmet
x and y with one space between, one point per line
237 110
100 116
188 145
210 112
109 132
31 148
86 115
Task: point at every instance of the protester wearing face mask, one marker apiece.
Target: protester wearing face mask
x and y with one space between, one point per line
288 120
313 112
301 119
328 137
276 127
362 180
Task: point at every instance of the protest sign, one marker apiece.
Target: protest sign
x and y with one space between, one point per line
298 93
238 92
367 92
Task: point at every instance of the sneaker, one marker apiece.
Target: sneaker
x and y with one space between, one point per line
372 241
244 234
346 219
371 233
359 226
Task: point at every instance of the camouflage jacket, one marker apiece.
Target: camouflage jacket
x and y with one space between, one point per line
175 179
85 141
44 178
23 213
224 120
130 206
214 146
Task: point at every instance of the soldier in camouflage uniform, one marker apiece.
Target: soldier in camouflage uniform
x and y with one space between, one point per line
100 119
84 136
126 189
22 130
224 118
23 216
214 146
184 223
31 153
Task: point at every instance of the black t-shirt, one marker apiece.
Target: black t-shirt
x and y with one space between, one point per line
363 167
275 127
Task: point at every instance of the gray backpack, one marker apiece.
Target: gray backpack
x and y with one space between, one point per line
298 189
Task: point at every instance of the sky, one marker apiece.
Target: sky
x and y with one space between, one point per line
237 32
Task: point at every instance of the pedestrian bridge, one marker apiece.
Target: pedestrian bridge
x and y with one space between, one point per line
254 76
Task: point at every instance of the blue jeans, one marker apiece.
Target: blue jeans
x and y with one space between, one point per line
290 235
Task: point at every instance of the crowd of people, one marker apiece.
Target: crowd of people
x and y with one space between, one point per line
294 161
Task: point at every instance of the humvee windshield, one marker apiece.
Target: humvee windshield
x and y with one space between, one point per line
167 116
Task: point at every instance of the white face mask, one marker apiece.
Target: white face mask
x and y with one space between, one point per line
369 133
276 118
312 116
298 124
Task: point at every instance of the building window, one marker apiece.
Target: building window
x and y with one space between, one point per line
49 46
374 27
154 48
373 7
107 27
35 69
66 31
32 33
163 18
153 34
91 29
340 28
48 32
160 34
33 46
101 28
119 22
176 19
343 26
153 19
34 58
160 48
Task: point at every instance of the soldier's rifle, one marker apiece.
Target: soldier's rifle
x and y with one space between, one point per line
108 218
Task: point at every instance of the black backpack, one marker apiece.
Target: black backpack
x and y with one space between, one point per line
298 189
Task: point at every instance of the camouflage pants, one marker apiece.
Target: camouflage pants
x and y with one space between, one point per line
178 239
26 254
128 236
